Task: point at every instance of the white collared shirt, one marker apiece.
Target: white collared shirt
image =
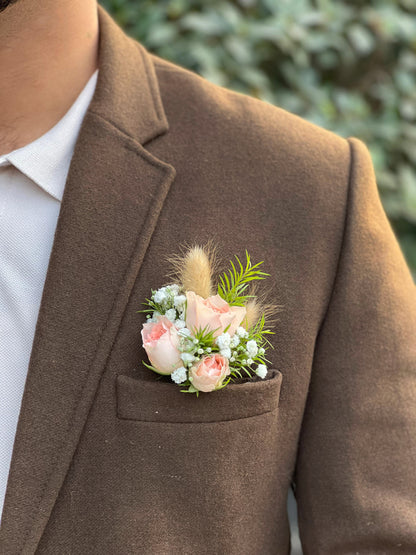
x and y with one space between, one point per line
32 182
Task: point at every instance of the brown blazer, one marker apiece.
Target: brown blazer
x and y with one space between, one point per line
110 460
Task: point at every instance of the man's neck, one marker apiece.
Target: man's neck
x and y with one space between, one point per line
48 52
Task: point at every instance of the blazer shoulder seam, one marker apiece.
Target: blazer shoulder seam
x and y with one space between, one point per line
344 232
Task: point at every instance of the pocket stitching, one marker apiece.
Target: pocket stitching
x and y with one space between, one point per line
196 421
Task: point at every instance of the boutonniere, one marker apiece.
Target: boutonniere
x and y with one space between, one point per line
204 335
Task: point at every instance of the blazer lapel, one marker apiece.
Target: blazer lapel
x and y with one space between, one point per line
112 199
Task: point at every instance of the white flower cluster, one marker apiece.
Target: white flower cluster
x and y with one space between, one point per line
165 295
171 303
224 344
241 332
236 348
190 348
179 375
251 348
261 371
188 358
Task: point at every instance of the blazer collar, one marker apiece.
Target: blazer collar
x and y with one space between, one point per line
127 94
112 199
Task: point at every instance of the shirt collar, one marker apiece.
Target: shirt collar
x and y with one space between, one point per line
46 160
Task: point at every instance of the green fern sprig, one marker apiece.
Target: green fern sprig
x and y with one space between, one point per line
152 306
204 337
257 332
234 282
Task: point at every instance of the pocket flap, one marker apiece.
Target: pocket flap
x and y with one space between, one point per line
157 401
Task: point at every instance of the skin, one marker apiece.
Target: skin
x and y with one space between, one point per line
48 51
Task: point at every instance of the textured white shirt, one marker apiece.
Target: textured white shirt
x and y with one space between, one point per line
32 182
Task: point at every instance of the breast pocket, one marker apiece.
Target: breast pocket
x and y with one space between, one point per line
193 471
157 401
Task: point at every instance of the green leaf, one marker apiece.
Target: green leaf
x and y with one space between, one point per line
153 368
232 289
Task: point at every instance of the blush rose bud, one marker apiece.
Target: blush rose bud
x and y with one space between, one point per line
209 373
161 343
213 312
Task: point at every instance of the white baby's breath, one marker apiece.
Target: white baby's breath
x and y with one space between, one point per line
179 375
179 324
154 317
252 348
179 302
187 358
261 371
160 296
226 352
241 332
173 289
235 340
171 314
224 340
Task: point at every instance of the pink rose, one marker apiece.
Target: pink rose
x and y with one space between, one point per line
213 312
209 373
161 343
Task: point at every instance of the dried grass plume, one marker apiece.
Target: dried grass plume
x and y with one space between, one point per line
253 313
257 306
194 269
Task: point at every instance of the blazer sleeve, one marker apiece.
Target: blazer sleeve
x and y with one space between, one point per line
355 477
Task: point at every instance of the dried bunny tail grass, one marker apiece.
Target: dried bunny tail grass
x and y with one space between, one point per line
257 305
196 272
253 313
194 269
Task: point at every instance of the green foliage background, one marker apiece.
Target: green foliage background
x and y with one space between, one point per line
349 66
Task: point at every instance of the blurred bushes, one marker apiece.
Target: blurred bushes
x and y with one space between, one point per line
349 66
